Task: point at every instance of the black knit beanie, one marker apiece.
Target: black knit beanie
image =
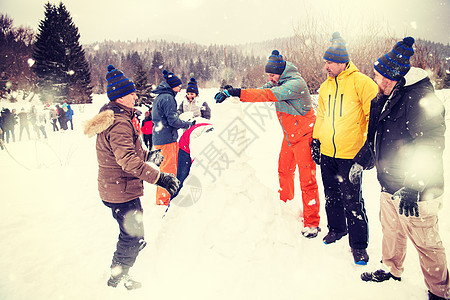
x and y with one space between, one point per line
395 64
192 86
276 63
118 84
337 52
171 79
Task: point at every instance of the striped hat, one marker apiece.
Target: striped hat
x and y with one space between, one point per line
276 63
395 64
118 84
171 79
192 86
337 52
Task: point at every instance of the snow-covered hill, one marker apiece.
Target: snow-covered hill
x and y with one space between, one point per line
235 240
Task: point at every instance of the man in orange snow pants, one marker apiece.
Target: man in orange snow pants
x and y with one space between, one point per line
165 126
294 111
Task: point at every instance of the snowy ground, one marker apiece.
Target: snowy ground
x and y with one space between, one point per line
237 241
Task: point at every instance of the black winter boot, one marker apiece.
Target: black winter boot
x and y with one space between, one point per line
119 274
127 281
432 296
332 236
360 256
378 276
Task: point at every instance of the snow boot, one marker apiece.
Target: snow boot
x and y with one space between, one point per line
432 296
119 274
360 256
310 232
378 276
127 281
332 237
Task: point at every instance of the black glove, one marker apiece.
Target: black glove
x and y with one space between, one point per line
192 123
315 151
355 173
155 157
234 92
408 201
221 96
228 91
168 182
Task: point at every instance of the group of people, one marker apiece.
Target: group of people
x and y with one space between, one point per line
119 149
38 120
395 123
359 124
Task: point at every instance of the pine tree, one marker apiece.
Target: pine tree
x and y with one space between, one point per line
156 68
143 89
60 63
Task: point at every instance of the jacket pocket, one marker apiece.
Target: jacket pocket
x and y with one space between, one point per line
133 186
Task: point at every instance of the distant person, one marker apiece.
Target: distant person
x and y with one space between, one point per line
147 128
190 103
407 136
41 121
122 170
8 125
54 118
293 104
23 123
62 117
33 117
69 116
339 133
2 133
165 128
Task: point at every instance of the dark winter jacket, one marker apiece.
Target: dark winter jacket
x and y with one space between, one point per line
8 120
165 117
406 132
120 155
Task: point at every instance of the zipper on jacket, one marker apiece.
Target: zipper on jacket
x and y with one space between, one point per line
342 100
334 117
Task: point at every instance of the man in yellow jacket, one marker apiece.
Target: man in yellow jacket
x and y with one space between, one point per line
340 131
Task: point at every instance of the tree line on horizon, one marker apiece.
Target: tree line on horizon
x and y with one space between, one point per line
53 64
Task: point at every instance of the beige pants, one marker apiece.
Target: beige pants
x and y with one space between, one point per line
423 233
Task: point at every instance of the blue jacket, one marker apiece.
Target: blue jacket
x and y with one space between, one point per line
69 112
165 117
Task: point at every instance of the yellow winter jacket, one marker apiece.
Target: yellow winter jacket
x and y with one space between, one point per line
343 112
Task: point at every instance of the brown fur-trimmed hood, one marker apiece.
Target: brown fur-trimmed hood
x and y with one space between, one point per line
99 123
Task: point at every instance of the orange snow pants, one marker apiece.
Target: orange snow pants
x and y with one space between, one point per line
291 156
169 165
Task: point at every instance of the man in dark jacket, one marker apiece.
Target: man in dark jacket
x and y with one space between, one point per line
165 127
406 134
122 169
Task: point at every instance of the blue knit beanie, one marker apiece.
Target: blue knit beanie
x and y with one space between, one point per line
337 52
276 63
118 84
192 86
395 64
171 79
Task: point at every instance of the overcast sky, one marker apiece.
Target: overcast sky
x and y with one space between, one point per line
239 21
